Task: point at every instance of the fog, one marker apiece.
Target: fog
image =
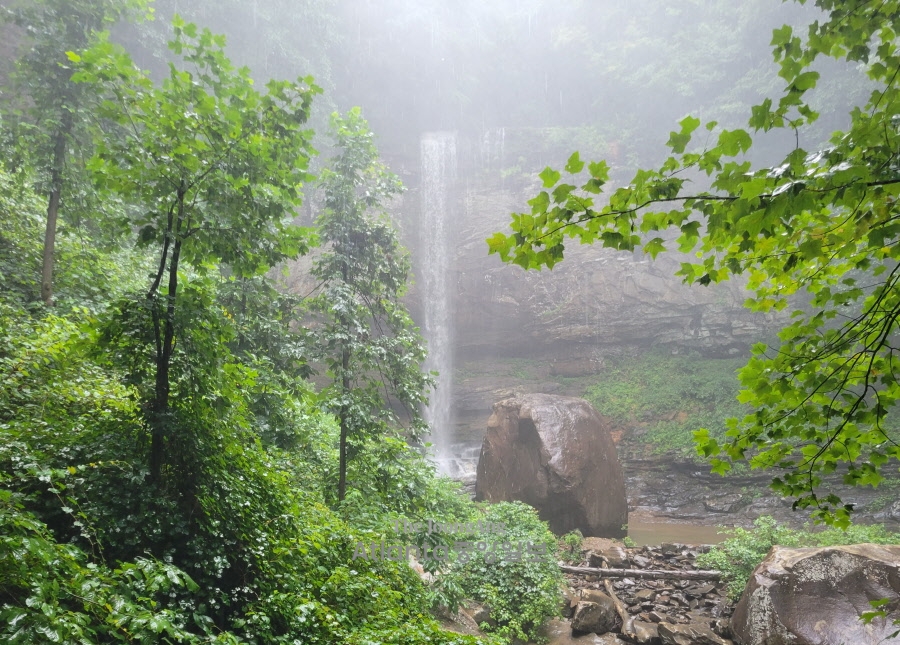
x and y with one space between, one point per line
610 77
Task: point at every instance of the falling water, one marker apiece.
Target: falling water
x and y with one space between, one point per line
438 153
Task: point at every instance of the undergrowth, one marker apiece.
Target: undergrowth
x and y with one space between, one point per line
669 396
739 555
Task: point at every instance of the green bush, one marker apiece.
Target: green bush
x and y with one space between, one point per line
739 555
51 592
570 547
521 593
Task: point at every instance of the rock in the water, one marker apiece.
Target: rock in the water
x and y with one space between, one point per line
595 613
559 632
556 454
689 634
815 596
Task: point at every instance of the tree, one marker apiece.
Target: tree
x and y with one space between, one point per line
364 334
215 168
57 104
824 224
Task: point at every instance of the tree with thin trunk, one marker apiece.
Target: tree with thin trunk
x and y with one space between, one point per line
216 167
56 105
362 330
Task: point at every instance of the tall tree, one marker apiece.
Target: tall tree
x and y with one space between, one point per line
823 222
216 167
57 106
364 334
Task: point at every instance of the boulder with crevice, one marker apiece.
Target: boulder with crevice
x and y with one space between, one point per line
556 454
815 596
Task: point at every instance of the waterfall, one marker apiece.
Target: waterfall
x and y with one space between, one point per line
438 158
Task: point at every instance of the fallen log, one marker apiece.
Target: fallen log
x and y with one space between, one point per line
626 618
651 574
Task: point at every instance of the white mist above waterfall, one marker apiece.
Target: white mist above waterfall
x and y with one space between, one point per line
438 158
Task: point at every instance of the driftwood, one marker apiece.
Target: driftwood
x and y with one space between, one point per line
626 618
651 574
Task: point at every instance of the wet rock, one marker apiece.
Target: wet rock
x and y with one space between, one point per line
559 632
554 453
570 599
594 617
689 634
480 613
645 633
700 590
614 555
722 627
640 561
815 596
894 511
724 503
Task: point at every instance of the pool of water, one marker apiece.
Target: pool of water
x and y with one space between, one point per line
652 533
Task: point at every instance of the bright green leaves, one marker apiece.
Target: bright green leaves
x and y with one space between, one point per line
549 177
364 334
217 163
678 140
654 247
734 142
574 165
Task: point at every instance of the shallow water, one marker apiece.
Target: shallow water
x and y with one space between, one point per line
653 533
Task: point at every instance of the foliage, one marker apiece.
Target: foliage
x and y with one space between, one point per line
737 556
522 593
51 592
822 223
213 167
52 117
363 333
670 394
268 563
569 547
87 274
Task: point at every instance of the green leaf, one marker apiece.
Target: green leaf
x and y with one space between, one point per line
549 177
574 165
806 81
654 247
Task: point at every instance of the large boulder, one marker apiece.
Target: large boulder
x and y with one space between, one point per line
815 596
556 454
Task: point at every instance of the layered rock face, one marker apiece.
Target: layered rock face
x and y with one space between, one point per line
598 301
556 454
815 596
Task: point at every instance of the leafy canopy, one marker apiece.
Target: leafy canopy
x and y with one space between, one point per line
823 223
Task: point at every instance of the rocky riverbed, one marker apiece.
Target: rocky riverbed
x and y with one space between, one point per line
658 611
632 609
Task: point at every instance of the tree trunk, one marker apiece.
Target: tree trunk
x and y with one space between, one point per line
652 574
345 391
56 179
164 358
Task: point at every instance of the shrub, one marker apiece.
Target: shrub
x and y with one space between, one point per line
740 554
521 593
